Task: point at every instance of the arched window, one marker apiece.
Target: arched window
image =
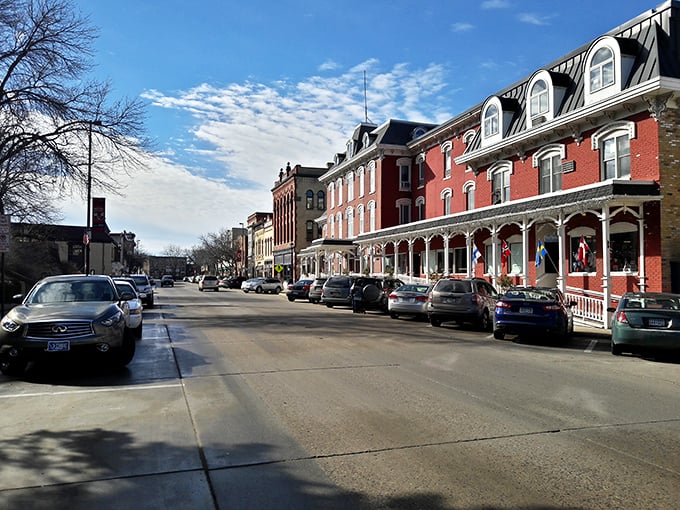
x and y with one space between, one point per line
350 222
331 194
446 201
331 226
360 214
548 160
310 230
499 174
321 201
309 199
420 208
491 121
350 186
338 187
601 69
404 166
446 151
404 206
371 216
420 163
613 142
538 100
371 177
469 191
338 221
360 178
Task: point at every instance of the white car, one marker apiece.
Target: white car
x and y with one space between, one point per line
135 305
208 282
260 285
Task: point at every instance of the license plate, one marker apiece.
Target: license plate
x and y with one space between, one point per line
58 346
657 323
451 300
526 309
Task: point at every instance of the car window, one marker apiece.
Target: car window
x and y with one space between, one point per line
338 282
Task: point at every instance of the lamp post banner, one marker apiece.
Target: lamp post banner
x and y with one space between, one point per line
98 213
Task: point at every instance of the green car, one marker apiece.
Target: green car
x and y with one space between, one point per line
646 322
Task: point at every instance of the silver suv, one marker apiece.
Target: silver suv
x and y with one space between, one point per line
145 289
463 300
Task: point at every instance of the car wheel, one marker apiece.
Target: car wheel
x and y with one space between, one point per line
498 334
138 331
217 289
123 355
201 289
484 322
617 349
277 290
394 315
435 322
12 366
258 290
291 298
329 305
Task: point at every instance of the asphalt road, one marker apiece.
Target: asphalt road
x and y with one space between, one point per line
245 401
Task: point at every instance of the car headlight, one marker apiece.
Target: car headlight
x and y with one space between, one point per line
10 325
112 320
135 311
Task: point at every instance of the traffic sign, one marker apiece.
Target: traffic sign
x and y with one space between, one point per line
278 268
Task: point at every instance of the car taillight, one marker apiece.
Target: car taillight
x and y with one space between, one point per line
621 317
552 308
502 304
392 296
305 287
421 298
473 299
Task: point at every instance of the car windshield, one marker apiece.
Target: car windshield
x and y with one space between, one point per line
413 288
338 282
63 292
140 280
124 287
531 294
653 303
458 286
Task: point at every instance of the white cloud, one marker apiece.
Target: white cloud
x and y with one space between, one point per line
495 4
533 19
329 65
243 133
462 27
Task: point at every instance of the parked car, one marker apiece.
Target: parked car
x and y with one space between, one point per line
260 285
135 321
232 282
646 322
315 290
372 293
409 299
208 282
336 291
471 300
299 290
167 280
67 314
533 310
144 288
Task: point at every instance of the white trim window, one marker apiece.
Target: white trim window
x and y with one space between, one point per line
350 186
608 65
469 192
499 175
360 178
331 195
491 121
371 216
360 214
420 208
404 206
350 222
338 187
331 226
613 142
548 160
338 220
420 163
371 177
601 70
404 166
539 99
446 151
446 201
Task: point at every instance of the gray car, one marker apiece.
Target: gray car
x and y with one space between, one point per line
337 291
144 288
462 300
315 290
67 314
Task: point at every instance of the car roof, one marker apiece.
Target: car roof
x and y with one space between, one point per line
75 277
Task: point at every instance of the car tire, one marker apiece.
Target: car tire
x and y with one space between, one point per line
258 290
277 290
12 366
329 305
291 298
394 315
498 334
216 289
435 322
617 349
484 321
123 355
201 289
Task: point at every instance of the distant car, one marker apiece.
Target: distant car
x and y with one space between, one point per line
167 281
67 314
646 322
409 299
462 300
372 293
532 310
260 285
208 282
145 289
232 282
336 291
299 290
135 322
315 290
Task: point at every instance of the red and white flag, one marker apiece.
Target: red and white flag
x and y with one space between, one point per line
505 252
583 249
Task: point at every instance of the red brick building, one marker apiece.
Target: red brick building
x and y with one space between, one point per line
568 177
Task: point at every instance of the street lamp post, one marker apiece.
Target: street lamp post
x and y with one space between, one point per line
88 233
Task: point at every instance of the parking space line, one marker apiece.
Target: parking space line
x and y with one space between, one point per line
591 346
99 390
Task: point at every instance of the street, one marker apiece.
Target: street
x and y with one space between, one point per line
248 401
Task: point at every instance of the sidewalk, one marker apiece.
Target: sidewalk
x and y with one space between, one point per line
592 332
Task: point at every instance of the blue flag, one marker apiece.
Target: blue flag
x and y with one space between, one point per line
476 255
541 252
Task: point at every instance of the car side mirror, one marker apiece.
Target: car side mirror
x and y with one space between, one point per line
127 296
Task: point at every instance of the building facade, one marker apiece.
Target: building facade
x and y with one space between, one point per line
299 198
260 245
568 177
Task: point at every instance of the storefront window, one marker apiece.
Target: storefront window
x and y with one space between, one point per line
623 252
583 253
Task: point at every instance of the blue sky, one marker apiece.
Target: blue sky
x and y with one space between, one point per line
237 89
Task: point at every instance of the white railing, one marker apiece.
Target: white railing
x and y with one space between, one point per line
590 308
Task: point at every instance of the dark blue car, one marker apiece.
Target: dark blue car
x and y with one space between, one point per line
533 310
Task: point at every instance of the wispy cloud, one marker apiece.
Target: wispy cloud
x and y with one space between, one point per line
241 134
329 65
495 4
462 27
534 19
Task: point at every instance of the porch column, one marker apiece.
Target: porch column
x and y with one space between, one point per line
469 240
361 259
383 247
642 275
562 239
317 261
447 270
428 239
494 250
606 288
525 248
410 257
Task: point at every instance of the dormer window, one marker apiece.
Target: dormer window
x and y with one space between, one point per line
366 141
538 100
546 90
418 132
491 121
350 146
601 69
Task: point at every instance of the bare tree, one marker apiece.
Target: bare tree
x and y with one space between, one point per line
216 252
52 116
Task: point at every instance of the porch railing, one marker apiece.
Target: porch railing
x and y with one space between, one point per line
590 308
